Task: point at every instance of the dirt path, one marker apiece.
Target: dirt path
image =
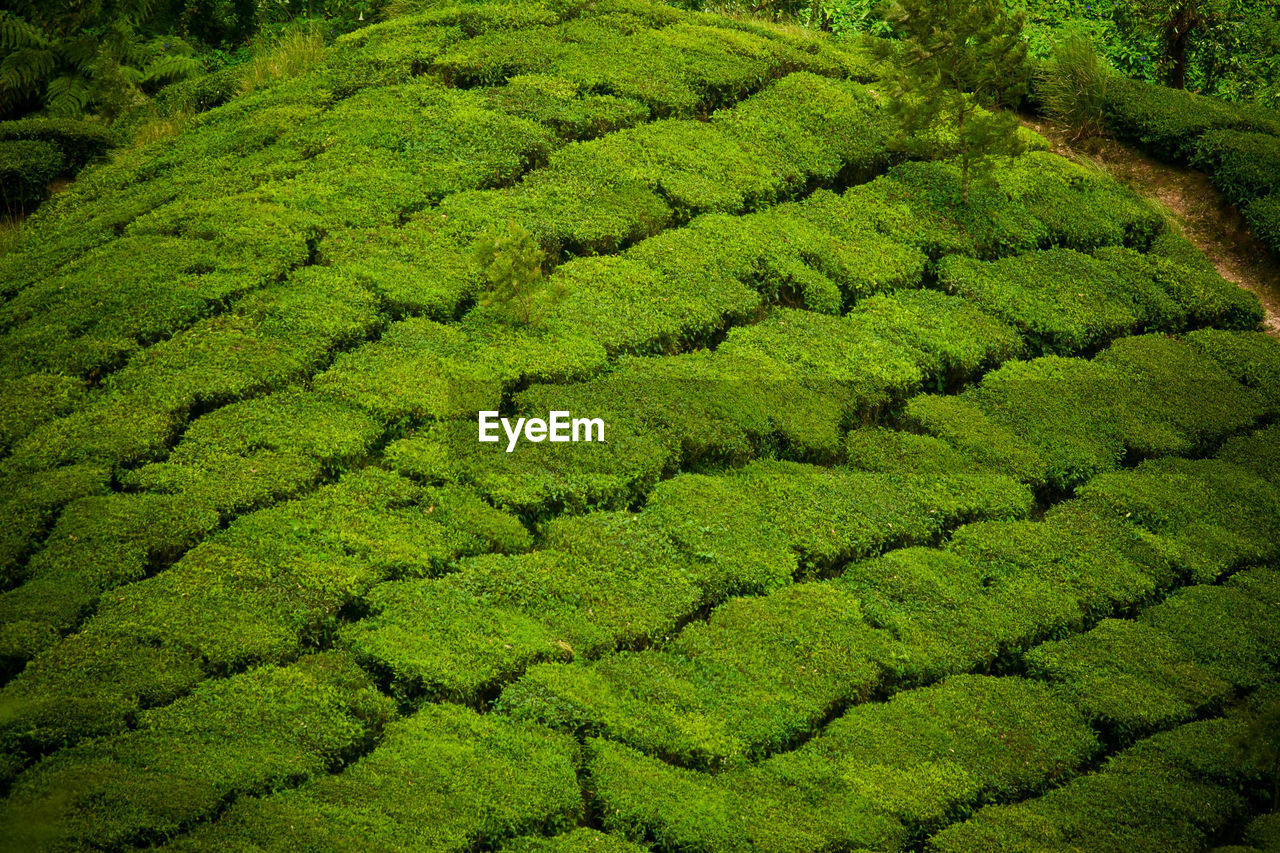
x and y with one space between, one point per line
1205 217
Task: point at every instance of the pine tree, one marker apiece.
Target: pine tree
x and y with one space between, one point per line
957 62
512 263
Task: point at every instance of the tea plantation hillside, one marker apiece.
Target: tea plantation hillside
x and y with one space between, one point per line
920 525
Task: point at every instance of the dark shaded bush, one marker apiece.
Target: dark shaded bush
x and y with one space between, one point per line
1245 166
81 142
26 169
1263 217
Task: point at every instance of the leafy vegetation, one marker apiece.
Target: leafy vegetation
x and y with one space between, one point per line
933 513
955 59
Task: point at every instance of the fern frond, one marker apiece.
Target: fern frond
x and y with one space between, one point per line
26 70
17 33
169 68
66 95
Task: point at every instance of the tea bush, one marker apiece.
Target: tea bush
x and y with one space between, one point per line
870 451
1174 790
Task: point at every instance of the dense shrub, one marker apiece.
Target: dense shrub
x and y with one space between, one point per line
1062 421
1263 217
1245 166
476 779
28 167
145 644
240 736
1130 678
1174 790
859 782
1169 122
1061 301
240 368
80 142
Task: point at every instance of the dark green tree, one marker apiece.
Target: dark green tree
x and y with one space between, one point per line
512 260
1177 23
957 62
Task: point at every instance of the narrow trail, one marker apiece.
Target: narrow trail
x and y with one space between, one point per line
1207 219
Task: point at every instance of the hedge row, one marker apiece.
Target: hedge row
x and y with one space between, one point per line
142 418
146 406
874 779
851 265
290 177
254 235
764 671
268 340
1170 122
793 383
609 580
1239 147
266 728
1263 217
43 338
238 457
274 582
755 395
681 68
35 151
885 774
1059 422
1065 302
1175 791
1179 659
446 779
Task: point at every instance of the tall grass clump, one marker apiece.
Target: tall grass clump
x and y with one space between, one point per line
288 56
1073 86
11 228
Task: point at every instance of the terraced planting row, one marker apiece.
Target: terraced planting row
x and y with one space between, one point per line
363 400
919 523
862 781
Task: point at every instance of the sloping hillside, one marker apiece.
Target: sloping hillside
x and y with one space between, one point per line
916 523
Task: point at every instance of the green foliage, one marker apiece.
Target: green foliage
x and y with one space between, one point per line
881 768
957 57
1061 301
1263 217
90 57
1063 421
580 840
478 779
1211 515
1169 122
1259 746
272 583
1072 87
512 260
1245 166
26 169
1129 678
240 736
765 671
1174 790
239 374
80 142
